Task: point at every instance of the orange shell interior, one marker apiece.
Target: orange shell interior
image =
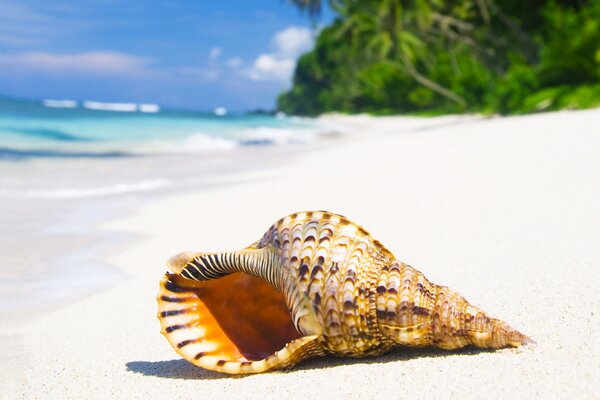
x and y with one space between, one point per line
244 316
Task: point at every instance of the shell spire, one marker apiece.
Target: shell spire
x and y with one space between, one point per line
314 284
415 312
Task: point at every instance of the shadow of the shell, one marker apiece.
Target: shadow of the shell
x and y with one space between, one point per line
397 355
173 369
182 369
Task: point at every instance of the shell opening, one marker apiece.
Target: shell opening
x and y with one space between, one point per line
237 318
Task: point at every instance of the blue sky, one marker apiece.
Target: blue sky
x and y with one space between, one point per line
186 54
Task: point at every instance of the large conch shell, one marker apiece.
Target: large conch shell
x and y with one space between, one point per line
314 284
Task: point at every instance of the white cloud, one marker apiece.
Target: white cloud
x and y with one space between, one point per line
293 41
94 62
215 53
269 67
102 63
234 62
279 65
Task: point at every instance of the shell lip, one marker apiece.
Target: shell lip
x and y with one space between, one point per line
234 324
176 263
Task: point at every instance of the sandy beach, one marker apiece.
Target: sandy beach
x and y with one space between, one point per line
504 210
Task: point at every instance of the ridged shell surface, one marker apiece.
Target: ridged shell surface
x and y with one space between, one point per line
345 292
336 265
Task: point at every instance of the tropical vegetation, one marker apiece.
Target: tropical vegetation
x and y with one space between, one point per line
436 56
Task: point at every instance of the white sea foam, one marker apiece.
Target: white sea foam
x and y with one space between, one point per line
201 142
122 188
149 108
261 136
220 111
120 107
53 103
276 136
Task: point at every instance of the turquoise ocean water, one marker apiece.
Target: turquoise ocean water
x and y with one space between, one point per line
65 171
32 129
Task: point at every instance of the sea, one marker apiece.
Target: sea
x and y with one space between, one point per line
69 129
68 166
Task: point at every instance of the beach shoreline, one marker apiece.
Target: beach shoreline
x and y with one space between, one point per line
60 219
494 208
64 209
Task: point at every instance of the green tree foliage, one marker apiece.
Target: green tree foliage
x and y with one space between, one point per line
436 56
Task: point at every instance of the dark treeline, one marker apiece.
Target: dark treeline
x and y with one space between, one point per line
435 56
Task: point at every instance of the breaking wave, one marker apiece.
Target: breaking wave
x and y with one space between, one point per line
259 136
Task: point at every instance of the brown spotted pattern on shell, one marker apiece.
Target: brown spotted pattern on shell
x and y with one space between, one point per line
314 284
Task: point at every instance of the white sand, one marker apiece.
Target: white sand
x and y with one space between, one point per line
506 211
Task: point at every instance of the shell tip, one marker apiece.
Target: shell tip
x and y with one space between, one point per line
527 341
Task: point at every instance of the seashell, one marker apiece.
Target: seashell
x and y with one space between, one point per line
314 284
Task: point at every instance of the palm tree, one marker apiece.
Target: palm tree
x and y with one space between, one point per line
312 7
404 33
381 24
